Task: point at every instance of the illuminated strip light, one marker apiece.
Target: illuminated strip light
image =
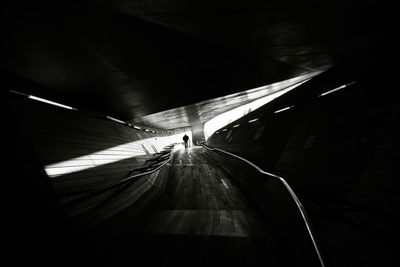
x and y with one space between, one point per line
225 184
253 120
116 120
237 125
336 89
284 109
224 130
146 130
50 102
44 100
137 127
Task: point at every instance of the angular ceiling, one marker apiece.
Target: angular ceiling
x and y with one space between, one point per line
145 61
201 112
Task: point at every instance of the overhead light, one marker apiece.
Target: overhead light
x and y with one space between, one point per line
237 125
44 100
146 130
225 184
336 89
50 102
283 109
224 130
116 120
136 127
253 120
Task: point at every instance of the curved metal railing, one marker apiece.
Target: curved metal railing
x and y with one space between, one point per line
98 191
300 206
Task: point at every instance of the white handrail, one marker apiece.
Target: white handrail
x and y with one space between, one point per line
300 206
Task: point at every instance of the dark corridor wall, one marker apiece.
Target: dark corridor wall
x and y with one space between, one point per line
53 155
79 151
340 153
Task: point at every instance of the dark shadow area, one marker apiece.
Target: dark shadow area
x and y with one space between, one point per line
338 152
33 232
130 59
101 53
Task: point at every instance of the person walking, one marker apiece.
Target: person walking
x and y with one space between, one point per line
186 140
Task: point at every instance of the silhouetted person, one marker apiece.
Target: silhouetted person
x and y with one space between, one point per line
186 140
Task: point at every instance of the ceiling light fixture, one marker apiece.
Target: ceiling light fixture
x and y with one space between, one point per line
116 120
336 89
283 109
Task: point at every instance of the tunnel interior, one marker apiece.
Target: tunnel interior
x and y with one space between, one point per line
98 94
